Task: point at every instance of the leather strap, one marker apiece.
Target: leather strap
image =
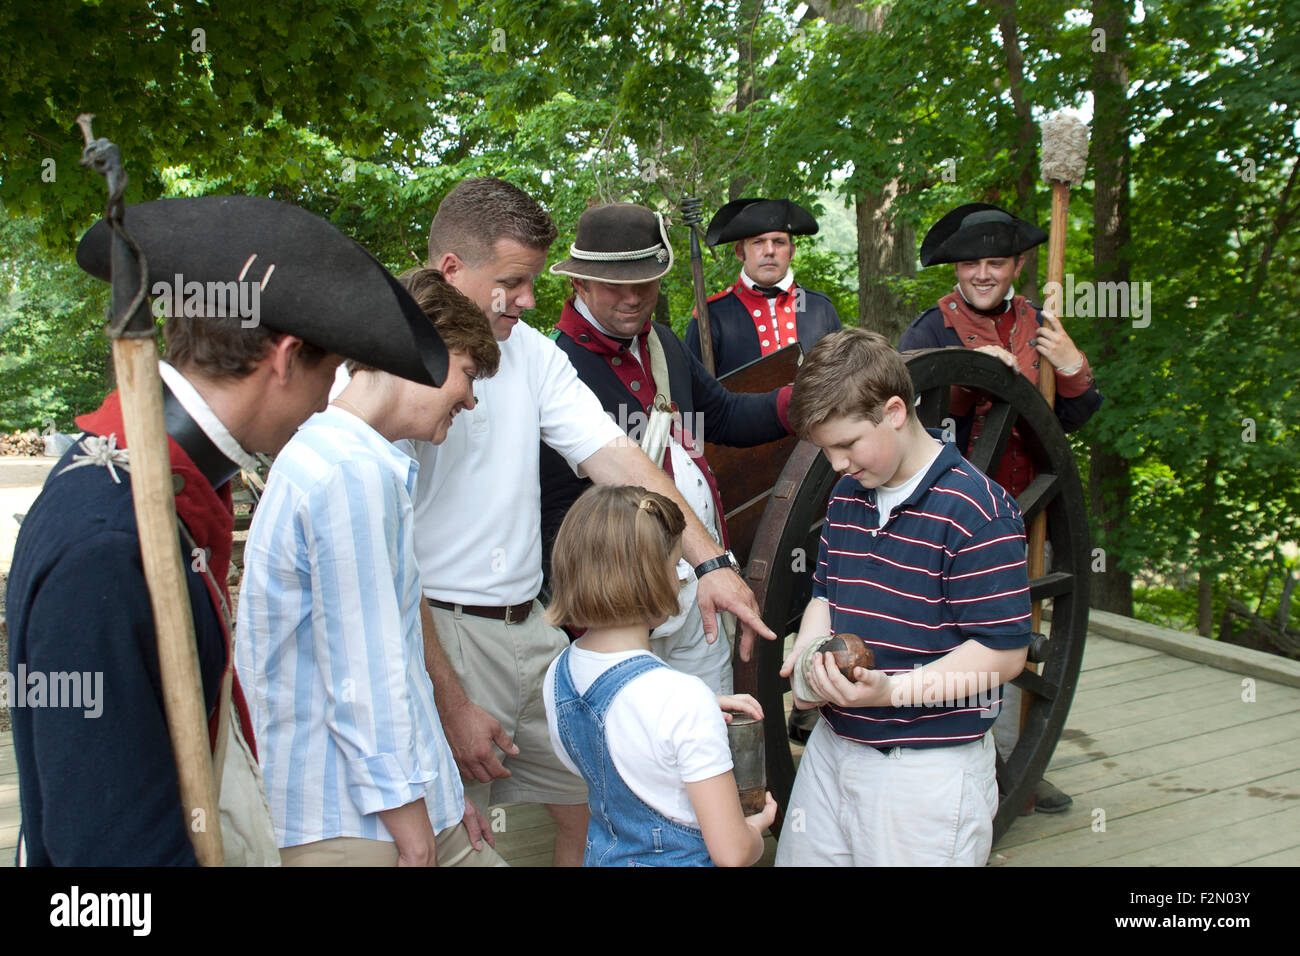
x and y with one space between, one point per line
724 560
512 614
216 467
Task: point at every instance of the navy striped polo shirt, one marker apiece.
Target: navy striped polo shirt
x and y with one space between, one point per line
948 567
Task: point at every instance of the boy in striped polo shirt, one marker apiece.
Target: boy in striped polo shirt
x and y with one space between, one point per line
922 556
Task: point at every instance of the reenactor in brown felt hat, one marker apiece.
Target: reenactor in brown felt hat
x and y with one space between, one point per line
763 310
642 374
986 245
265 301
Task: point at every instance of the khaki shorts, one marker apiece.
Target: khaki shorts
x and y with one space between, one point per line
454 849
853 805
502 667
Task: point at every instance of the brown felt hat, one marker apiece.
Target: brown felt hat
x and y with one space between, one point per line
620 243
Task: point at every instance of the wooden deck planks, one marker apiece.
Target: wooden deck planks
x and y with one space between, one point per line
1186 772
1156 834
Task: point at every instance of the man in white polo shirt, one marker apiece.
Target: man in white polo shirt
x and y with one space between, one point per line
478 517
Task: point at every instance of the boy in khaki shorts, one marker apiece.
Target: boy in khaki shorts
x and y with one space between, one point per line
923 557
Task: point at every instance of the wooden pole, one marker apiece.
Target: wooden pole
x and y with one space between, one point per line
140 390
1046 388
691 209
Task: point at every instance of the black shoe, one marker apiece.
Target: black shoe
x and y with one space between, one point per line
801 725
1048 799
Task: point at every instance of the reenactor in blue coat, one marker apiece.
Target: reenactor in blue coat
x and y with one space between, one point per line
98 783
764 309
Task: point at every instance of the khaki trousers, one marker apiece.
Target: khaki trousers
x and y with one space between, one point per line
454 849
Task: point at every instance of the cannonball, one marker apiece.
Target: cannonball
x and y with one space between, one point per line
848 651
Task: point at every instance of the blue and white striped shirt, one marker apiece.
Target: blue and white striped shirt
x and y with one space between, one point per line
329 646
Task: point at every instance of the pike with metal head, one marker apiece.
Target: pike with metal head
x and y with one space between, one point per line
692 216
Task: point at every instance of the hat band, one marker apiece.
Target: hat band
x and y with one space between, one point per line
658 251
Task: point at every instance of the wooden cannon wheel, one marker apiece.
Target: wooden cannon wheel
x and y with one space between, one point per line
784 552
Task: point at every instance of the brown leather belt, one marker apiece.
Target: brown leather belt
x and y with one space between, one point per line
511 615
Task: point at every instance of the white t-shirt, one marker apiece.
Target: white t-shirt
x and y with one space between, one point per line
478 500
665 730
887 499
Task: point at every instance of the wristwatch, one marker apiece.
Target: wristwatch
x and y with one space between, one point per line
725 560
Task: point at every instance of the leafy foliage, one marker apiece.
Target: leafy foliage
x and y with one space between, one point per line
368 111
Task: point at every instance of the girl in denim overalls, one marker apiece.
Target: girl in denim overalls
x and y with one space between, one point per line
650 742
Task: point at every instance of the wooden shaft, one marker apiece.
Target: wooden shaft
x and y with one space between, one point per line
1047 388
701 304
140 388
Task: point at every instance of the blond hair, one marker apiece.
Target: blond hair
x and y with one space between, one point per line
610 564
848 374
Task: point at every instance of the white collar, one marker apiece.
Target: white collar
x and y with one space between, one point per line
784 285
634 348
205 418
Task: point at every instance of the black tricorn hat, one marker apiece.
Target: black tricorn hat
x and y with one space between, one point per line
312 281
743 218
978 230
620 243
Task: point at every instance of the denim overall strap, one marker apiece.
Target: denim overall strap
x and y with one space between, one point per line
624 830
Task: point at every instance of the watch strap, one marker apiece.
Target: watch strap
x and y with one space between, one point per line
725 560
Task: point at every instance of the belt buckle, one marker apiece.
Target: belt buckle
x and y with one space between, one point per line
509 619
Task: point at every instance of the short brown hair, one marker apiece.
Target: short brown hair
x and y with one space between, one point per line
848 374
610 564
461 323
478 212
220 348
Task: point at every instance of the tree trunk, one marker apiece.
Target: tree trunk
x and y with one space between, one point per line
1281 618
662 315
1206 548
1284 605
747 14
1023 156
848 13
886 247
1205 603
1108 473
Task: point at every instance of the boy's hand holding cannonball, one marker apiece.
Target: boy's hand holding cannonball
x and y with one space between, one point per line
869 688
